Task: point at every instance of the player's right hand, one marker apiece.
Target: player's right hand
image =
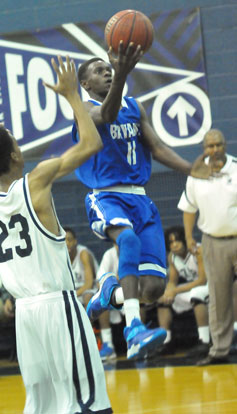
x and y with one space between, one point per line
126 59
67 83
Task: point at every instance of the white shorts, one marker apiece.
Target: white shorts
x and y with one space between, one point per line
58 356
182 301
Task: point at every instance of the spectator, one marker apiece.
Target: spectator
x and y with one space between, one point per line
186 289
7 306
7 318
84 266
215 200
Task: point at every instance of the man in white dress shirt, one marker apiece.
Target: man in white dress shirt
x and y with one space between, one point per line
216 201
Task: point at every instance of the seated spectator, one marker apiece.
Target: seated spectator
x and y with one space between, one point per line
7 306
7 319
186 289
84 266
109 263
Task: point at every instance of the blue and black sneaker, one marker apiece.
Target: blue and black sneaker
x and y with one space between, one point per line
100 302
141 340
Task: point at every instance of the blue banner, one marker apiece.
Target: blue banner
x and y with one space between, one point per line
170 81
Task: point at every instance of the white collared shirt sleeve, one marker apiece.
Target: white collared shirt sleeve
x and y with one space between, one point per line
187 200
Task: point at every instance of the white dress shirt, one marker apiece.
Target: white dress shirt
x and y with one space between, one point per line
215 199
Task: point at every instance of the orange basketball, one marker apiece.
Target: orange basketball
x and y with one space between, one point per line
129 26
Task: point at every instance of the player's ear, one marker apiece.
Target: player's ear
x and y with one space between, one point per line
85 84
14 156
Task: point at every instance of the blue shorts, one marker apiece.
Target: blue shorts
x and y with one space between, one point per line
105 209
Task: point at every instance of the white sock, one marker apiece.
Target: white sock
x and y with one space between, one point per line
131 310
106 336
118 296
235 326
204 334
168 337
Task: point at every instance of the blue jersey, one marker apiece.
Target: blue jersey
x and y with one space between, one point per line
123 159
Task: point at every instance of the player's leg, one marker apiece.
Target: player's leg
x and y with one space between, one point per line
151 264
34 336
86 296
104 210
107 351
129 257
137 336
165 318
86 374
199 300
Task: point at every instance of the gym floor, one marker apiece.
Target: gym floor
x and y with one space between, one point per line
160 385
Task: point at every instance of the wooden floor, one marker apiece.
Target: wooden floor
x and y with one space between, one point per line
148 388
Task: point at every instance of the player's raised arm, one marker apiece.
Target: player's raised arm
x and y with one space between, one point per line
111 86
90 142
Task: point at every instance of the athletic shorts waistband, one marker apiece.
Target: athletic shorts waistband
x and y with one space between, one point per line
42 297
128 189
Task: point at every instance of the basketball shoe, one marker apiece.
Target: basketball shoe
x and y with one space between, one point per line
107 352
141 340
101 300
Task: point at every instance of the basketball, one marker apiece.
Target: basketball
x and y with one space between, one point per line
129 26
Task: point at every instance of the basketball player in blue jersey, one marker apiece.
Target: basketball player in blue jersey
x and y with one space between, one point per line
117 207
57 352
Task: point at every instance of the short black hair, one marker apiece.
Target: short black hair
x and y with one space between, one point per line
6 148
84 66
179 234
69 229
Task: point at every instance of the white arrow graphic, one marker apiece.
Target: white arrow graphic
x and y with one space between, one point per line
181 108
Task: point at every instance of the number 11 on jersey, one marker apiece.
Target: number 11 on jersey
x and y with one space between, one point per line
131 154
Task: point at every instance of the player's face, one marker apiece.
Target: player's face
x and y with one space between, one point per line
176 246
99 78
71 242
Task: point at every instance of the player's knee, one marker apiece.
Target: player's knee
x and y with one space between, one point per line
151 288
129 253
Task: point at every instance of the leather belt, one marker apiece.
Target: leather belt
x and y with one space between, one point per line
233 236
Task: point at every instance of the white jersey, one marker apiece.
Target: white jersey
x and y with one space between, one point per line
109 262
187 268
33 260
78 268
